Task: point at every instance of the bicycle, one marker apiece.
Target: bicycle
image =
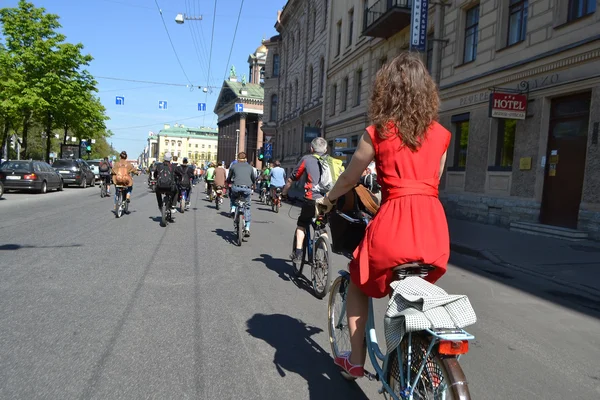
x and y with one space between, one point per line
423 365
276 200
239 220
219 197
183 199
263 197
103 192
165 210
121 201
316 251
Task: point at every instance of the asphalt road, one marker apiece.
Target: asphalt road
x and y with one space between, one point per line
94 307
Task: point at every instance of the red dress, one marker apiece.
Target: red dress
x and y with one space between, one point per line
411 224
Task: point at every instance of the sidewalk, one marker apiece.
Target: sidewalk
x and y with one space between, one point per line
576 264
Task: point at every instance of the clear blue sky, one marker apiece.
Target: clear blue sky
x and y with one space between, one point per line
128 40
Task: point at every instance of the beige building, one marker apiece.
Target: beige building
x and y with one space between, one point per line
295 75
271 92
542 164
199 145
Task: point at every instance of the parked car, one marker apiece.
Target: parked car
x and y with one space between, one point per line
95 167
29 175
75 172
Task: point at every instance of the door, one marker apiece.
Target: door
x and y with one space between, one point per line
565 160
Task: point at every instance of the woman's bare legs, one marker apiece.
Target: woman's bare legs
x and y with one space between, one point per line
357 308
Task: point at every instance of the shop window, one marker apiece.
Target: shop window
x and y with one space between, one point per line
471 34
461 140
505 143
517 21
581 8
354 141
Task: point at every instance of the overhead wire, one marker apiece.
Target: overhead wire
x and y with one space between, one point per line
212 38
153 82
201 60
171 41
233 40
156 123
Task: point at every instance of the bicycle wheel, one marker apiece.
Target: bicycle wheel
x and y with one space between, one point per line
240 230
103 190
119 211
320 266
217 202
126 207
182 205
298 266
339 333
438 378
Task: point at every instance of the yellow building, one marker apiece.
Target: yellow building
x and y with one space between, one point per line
199 145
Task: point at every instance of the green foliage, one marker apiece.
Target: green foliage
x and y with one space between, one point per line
44 86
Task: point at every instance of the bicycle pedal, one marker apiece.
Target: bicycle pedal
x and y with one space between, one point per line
370 376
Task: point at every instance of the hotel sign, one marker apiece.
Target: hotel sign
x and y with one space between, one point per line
508 105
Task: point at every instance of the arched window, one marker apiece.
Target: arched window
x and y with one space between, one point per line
273 115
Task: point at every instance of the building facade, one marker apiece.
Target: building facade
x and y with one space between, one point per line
240 113
298 67
542 165
198 145
271 90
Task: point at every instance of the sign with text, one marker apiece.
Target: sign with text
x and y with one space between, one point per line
418 25
508 105
311 132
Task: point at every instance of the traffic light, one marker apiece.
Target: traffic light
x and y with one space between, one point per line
88 148
261 154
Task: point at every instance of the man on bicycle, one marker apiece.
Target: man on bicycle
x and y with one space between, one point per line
242 178
165 181
309 173
209 179
220 177
184 175
121 172
104 169
277 177
266 180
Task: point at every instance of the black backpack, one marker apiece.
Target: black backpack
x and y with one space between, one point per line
164 178
104 167
186 173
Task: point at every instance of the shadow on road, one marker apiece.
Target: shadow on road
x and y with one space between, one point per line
285 271
228 236
297 352
12 246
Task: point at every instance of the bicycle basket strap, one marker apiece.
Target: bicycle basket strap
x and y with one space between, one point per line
368 200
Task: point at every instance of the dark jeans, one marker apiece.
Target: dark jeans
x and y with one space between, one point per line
246 193
159 196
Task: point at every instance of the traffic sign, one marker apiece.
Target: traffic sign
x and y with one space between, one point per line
239 107
120 100
201 106
162 105
418 28
268 150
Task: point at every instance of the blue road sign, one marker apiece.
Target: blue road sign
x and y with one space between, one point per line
268 150
120 100
239 107
418 26
162 105
201 106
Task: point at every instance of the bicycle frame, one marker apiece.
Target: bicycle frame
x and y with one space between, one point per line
319 230
376 355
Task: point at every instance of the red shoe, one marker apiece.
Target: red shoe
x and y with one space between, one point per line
350 371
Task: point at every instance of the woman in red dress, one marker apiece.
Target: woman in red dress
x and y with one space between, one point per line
409 148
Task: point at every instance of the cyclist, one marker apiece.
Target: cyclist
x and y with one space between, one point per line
409 147
121 172
104 169
209 178
220 177
266 180
165 183
277 177
309 173
242 178
183 174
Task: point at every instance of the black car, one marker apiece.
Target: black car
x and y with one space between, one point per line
29 175
75 172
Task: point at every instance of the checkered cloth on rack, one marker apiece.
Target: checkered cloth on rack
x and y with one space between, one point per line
417 305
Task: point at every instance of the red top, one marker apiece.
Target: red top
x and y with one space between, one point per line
411 224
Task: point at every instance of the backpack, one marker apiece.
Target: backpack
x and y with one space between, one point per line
185 176
164 179
103 166
330 169
122 176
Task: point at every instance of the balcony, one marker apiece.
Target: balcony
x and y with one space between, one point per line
387 17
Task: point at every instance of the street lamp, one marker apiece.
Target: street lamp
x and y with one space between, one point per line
181 18
237 141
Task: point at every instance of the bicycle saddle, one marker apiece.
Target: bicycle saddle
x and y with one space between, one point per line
411 269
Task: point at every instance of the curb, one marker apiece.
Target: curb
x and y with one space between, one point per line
489 256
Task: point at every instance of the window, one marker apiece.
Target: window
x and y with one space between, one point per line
461 139
471 34
310 83
273 116
209 146
365 4
429 53
581 8
203 145
517 21
296 96
322 75
358 87
345 89
314 23
196 145
325 5
350 26
333 97
354 141
339 38
382 61
505 144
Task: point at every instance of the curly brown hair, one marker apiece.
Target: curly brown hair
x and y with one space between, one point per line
404 97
